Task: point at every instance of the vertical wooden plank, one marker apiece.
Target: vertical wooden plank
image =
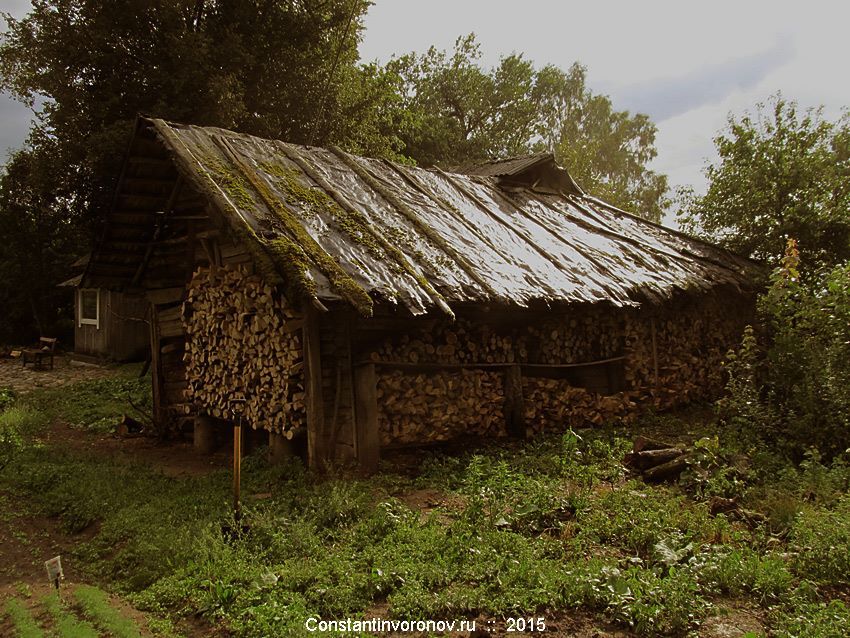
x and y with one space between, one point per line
514 402
654 352
366 415
156 367
317 452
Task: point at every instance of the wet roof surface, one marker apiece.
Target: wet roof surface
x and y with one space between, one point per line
424 238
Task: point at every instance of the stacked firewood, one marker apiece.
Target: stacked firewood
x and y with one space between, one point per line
691 343
457 342
588 335
243 351
429 407
554 405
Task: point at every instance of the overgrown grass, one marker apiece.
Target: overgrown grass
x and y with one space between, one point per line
95 405
537 528
23 624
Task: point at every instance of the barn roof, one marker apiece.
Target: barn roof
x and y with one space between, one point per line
357 229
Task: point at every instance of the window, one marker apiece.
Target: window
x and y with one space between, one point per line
89 308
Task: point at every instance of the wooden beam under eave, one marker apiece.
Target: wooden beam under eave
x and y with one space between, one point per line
366 416
317 443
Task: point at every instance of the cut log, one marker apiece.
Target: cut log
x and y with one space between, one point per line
666 471
651 458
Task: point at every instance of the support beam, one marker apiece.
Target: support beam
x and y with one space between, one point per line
514 402
366 415
205 437
654 353
317 439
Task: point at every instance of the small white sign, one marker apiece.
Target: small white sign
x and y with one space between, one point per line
54 570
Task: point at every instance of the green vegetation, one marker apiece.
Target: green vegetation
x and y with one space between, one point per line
782 173
535 528
95 605
93 405
66 624
15 423
788 383
7 397
23 623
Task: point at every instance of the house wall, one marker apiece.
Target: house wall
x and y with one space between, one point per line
123 331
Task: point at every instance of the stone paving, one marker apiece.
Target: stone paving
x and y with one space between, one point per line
22 380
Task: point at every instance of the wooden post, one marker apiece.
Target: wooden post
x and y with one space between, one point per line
205 435
514 402
317 453
237 468
366 415
156 369
654 352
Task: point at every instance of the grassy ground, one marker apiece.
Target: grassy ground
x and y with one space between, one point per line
552 528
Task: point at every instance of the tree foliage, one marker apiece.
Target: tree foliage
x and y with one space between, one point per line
456 112
286 70
782 173
276 69
789 386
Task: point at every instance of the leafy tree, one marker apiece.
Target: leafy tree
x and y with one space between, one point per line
789 387
457 112
38 234
606 151
276 69
783 173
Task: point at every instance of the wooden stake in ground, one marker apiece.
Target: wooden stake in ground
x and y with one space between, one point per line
236 407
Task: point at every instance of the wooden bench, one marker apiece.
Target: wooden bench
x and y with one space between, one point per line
39 356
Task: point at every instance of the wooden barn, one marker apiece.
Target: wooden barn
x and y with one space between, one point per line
366 305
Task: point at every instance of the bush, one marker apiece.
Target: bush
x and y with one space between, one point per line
7 398
822 540
15 423
791 386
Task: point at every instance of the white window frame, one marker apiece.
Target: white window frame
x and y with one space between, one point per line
84 321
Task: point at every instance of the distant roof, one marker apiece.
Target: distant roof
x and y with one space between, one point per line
528 169
365 229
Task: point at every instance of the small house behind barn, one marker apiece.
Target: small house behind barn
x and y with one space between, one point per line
366 305
108 324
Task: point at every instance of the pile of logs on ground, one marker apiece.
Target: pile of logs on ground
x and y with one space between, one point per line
242 341
655 460
555 405
431 407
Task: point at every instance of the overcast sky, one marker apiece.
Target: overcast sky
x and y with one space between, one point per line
686 64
